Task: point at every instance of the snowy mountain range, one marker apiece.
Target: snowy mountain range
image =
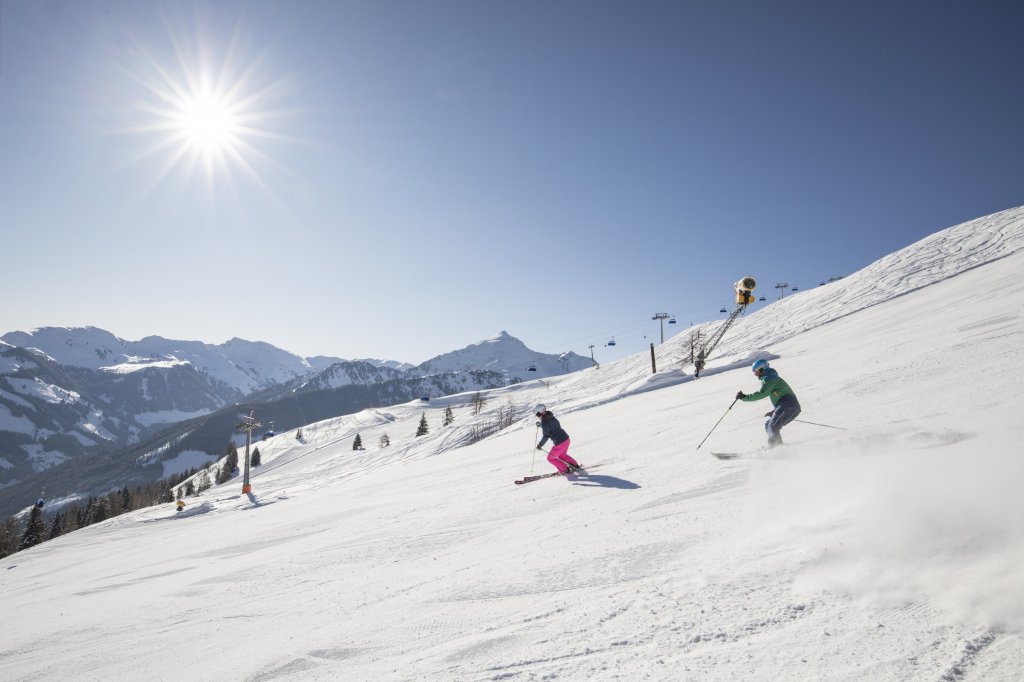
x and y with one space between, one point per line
66 393
881 542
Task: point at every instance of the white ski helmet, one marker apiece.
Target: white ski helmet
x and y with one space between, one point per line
540 409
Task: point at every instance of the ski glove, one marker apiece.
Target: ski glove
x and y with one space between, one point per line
740 395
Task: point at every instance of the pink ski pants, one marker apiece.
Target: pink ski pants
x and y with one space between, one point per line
559 456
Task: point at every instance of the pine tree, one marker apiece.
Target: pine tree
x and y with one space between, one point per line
448 416
35 531
126 500
83 515
101 510
230 464
357 444
8 537
385 441
202 483
423 429
255 460
57 527
190 488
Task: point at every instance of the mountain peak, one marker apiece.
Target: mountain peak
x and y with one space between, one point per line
503 352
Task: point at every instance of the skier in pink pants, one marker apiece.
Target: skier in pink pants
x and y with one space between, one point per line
559 455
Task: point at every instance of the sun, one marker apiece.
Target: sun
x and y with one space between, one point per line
208 123
207 112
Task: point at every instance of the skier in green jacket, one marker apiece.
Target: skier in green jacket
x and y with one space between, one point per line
785 406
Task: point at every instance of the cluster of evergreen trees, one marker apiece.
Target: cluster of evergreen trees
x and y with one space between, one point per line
39 528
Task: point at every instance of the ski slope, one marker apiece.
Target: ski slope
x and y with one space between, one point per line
888 550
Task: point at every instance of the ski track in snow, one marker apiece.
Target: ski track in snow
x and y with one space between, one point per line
886 551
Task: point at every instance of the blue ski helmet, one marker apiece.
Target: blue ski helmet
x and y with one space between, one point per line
759 365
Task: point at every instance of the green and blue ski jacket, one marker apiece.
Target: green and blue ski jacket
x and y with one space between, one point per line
772 386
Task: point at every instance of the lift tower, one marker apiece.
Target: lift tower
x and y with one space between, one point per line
248 424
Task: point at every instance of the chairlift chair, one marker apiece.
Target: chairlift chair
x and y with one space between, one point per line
531 368
611 343
761 299
671 320
723 310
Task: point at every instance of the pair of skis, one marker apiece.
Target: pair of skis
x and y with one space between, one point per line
529 479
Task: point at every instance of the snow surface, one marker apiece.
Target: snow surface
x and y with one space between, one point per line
41 458
12 365
50 393
16 399
183 461
888 550
167 416
19 424
137 364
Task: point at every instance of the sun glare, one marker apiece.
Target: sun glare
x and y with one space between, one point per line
204 115
208 124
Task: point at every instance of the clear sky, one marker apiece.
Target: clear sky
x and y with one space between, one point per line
400 179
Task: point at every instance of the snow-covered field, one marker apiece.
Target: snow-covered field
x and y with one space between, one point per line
890 550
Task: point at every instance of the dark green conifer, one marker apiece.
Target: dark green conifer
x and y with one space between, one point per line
35 530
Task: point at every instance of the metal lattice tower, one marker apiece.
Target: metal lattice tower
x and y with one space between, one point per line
248 424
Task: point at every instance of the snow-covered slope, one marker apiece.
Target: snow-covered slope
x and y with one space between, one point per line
118 394
77 346
888 550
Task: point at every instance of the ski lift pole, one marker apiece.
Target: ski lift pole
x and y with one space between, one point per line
716 424
840 428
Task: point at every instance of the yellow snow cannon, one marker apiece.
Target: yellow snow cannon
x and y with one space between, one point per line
743 288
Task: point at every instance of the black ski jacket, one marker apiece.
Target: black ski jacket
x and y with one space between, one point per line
551 429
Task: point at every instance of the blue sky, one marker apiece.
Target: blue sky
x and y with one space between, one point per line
407 178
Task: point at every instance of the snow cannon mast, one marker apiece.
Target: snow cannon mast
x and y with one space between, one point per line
744 289
744 297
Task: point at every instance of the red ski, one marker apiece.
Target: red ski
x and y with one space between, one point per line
527 479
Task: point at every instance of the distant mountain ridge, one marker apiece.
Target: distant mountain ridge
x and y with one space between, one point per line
73 393
505 353
244 366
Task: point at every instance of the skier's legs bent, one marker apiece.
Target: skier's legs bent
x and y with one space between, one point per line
559 456
785 412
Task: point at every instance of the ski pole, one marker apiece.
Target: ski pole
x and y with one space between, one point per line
534 448
716 424
817 424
